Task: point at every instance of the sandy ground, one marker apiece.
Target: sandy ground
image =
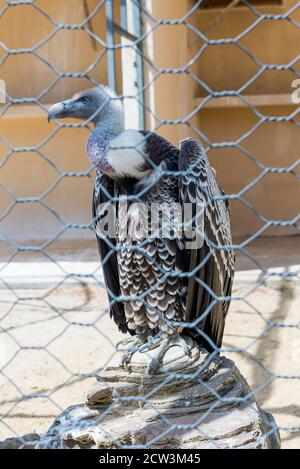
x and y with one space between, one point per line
55 338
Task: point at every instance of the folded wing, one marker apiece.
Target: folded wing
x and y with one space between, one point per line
104 205
211 260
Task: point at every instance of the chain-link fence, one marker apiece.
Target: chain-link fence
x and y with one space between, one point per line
224 72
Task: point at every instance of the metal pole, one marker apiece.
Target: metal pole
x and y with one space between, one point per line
111 64
123 14
137 24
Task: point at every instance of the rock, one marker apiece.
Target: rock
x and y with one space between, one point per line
101 393
201 401
28 441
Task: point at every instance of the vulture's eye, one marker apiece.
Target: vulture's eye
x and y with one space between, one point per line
83 100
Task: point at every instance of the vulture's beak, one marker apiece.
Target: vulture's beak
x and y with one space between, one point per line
58 110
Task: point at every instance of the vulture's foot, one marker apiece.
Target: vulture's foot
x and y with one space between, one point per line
129 347
163 344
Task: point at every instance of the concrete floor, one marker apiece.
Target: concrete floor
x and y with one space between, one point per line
55 337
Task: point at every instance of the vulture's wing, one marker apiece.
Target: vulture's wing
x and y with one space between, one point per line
212 265
104 191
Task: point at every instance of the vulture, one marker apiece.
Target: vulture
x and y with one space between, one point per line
166 284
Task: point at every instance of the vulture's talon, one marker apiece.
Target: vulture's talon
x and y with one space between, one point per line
165 344
186 349
150 344
153 366
129 347
125 360
123 344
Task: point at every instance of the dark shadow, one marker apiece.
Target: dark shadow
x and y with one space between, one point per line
267 359
269 252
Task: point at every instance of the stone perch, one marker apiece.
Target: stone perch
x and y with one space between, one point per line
201 401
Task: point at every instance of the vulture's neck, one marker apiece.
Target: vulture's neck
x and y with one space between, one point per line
109 126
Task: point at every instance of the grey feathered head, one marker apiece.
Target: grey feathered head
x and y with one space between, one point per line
92 105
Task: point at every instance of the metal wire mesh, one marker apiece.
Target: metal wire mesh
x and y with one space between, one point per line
64 297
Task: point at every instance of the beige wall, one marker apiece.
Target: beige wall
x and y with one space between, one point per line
66 50
171 97
224 67
28 174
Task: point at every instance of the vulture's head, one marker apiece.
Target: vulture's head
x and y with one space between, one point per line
93 105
